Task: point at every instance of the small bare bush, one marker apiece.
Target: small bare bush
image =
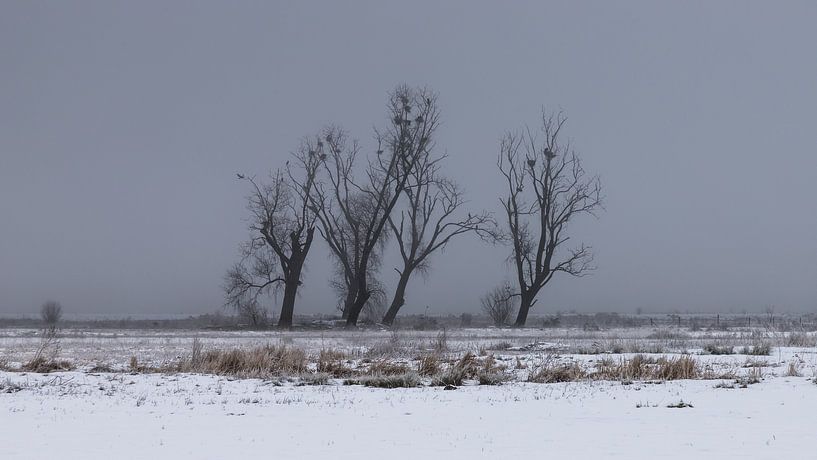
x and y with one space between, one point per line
51 313
499 304
45 358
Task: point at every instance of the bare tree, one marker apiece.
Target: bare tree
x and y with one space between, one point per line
357 211
283 226
547 189
346 243
499 304
430 218
51 313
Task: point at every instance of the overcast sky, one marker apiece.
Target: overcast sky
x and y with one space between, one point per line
122 125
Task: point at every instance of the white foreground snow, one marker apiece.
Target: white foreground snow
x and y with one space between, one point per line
74 415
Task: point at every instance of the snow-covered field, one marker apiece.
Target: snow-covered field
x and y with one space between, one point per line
119 414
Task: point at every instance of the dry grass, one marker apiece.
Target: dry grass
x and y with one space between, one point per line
800 339
716 349
387 367
760 347
258 362
405 380
680 368
429 365
465 368
552 371
639 367
793 369
45 358
333 362
43 365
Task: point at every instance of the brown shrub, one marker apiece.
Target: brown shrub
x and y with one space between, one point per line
264 361
43 365
386 367
552 371
429 365
683 367
405 380
333 362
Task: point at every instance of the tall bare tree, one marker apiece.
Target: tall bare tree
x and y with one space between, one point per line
346 243
430 218
283 227
547 189
358 210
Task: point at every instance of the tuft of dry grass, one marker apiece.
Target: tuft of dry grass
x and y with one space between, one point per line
408 379
333 362
716 349
800 339
101 368
465 368
759 348
386 367
552 371
43 365
793 369
429 365
680 368
258 362
639 367
45 358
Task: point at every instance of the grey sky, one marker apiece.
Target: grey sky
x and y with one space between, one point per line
122 125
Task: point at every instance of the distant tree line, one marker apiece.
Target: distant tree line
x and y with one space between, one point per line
358 201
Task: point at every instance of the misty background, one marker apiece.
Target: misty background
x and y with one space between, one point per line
122 125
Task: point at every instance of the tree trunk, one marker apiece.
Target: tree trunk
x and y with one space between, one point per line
356 307
347 304
524 307
290 292
399 298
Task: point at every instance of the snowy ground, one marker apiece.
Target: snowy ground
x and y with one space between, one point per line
122 415
76 415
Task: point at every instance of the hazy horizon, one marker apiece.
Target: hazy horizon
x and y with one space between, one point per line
122 125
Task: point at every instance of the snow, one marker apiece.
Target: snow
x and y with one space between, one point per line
120 415
103 416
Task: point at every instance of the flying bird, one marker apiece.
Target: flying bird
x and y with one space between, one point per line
240 176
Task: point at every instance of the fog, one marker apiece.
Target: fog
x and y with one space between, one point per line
122 125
